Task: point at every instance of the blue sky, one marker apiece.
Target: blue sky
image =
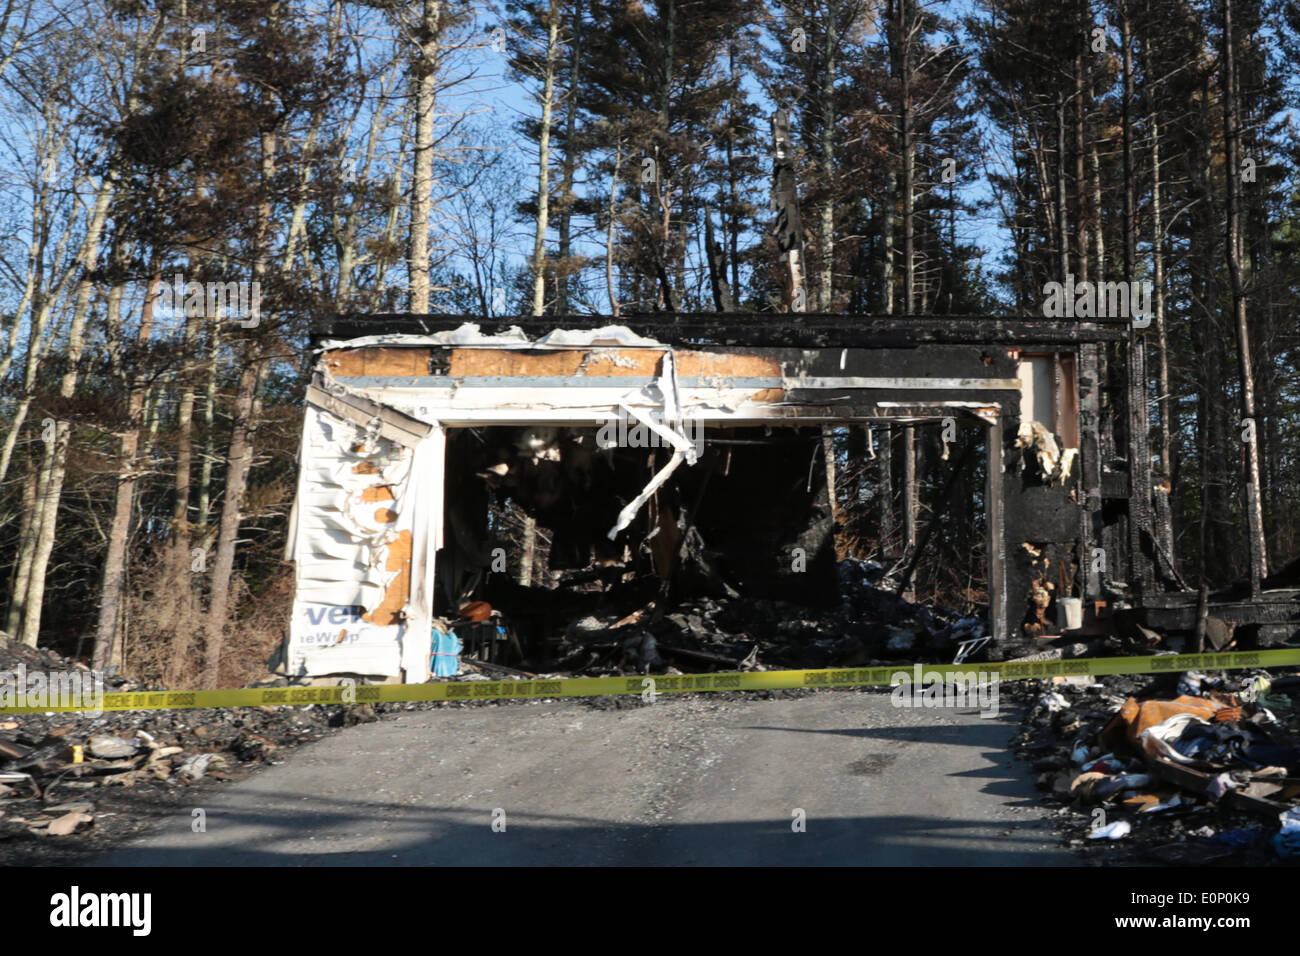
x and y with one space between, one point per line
504 101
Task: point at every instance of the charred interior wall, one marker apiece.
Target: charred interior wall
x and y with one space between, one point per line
1047 464
753 513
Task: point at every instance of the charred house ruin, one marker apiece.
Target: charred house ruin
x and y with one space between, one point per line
659 456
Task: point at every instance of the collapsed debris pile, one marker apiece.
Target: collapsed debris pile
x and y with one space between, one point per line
72 773
733 633
1179 769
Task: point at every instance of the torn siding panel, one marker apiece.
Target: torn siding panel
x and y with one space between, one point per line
1048 394
511 385
427 491
352 550
371 651
605 335
397 564
350 513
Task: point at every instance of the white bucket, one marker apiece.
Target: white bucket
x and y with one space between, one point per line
1069 613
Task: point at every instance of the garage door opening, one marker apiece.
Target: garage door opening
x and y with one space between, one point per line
735 561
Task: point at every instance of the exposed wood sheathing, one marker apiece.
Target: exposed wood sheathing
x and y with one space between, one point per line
725 364
399 588
397 563
593 362
597 363
376 361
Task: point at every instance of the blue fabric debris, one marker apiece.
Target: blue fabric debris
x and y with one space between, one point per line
446 654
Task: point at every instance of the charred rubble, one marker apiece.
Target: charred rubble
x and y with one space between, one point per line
1175 769
732 565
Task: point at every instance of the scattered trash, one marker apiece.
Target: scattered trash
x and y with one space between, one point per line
1241 838
1287 840
68 823
1053 703
1106 763
110 747
1112 831
196 767
1180 764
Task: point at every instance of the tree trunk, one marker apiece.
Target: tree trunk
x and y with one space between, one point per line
569 165
1139 424
908 152
110 601
204 499
544 160
425 70
826 121
239 460
26 547
1062 218
179 545
1164 515
1256 547
609 231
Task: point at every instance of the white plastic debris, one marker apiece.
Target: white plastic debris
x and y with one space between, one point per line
1053 702
465 335
195 767
1158 740
605 335
1111 831
1122 781
110 747
1190 684
1175 801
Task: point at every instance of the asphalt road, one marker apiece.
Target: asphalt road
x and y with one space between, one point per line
680 781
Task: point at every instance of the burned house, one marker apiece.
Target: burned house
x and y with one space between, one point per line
681 452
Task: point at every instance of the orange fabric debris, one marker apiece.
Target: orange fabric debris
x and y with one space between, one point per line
476 611
1141 801
1134 718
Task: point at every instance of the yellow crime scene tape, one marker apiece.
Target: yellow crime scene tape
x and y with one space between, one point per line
672 684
